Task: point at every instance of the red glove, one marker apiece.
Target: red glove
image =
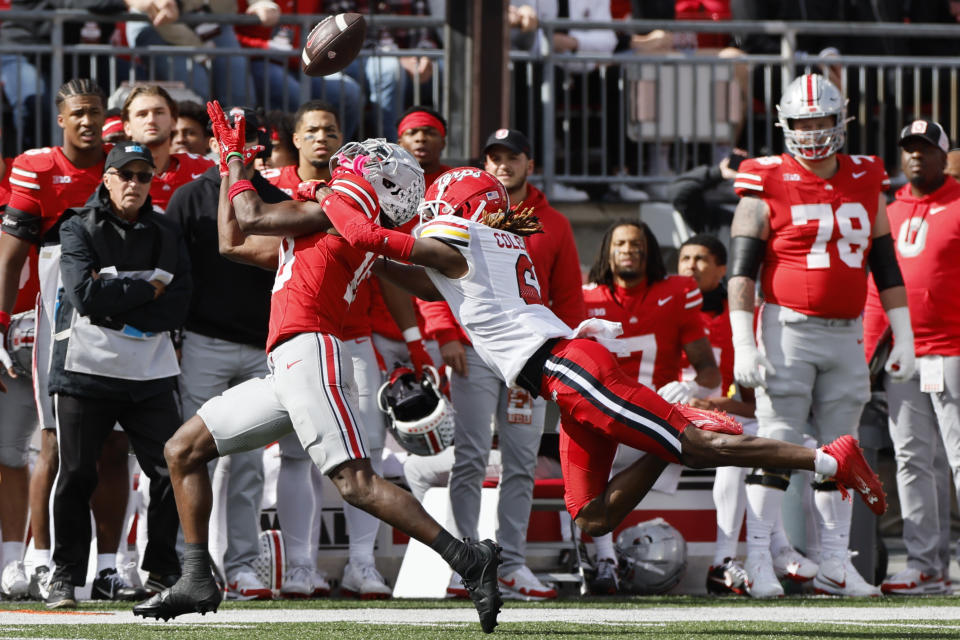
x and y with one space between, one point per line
307 190
230 139
418 355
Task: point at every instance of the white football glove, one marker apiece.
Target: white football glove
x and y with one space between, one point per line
750 367
901 363
5 359
677 391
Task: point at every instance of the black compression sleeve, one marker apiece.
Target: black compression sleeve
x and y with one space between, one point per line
747 254
883 263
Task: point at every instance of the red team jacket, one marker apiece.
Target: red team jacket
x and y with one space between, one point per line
926 234
819 231
657 321
555 260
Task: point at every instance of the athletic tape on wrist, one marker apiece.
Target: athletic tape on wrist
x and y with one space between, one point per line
239 187
412 334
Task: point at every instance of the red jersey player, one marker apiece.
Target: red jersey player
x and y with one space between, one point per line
310 390
815 220
43 184
149 116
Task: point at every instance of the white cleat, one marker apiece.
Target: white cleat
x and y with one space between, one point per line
838 577
521 584
365 582
14 582
297 582
245 585
761 580
914 582
790 564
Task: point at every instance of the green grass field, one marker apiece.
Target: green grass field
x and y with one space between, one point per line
664 617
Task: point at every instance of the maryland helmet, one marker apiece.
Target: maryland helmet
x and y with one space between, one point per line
467 192
19 342
813 96
421 419
653 557
394 173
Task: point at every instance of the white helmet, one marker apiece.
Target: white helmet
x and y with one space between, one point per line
19 342
269 563
813 96
394 173
653 557
421 419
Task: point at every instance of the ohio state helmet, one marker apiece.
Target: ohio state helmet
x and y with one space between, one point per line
19 342
467 192
394 173
421 419
270 561
813 96
652 556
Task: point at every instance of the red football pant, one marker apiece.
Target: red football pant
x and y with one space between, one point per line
602 407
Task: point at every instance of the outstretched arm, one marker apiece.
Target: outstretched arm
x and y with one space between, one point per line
411 278
259 251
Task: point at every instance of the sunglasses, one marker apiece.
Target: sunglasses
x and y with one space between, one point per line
143 177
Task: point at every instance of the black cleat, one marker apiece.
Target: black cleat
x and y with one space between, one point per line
108 585
157 582
482 583
186 596
60 595
39 587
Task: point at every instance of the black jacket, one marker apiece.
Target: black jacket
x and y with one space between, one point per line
119 303
38 31
703 198
231 301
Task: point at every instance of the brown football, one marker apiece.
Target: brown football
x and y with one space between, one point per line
333 44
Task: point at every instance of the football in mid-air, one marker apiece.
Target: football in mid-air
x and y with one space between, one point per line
333 44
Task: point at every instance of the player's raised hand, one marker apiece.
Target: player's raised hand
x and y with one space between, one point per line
311 191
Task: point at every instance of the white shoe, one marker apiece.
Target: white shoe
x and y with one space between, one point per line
560 192
364 581
14 583
626 193
129 573
914 582
837 576
521 584
321 588
297 582
456 589
761 580
245 585
790 564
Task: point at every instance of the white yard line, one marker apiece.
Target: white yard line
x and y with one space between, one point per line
231 617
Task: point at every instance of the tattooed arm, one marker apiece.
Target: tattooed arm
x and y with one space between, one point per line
752 220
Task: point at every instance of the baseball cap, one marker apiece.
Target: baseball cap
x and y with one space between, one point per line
509 138
929 131
126 152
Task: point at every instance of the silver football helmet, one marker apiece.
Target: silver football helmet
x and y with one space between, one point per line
394 173
813 96
19 342
652 555
420 417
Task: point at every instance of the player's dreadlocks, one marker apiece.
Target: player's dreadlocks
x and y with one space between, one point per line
79 87
522 222
601 271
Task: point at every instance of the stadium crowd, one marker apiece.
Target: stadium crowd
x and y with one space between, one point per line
125 312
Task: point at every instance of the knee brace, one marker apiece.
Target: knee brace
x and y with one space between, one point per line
772 478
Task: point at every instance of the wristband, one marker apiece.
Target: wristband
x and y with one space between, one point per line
234 154
239 187
5 321
412 334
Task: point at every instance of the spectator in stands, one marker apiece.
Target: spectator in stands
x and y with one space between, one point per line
224 337
277 80
190 131
925 410
661 320
125 272
704 195
113 127
386 77
149 116
228 75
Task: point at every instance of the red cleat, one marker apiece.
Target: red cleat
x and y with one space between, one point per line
710 420
853 472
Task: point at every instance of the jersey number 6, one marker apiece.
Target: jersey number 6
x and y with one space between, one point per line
527 280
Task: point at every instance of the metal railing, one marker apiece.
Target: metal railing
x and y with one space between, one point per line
594 120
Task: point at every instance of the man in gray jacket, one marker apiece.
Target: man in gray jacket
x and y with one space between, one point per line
125 284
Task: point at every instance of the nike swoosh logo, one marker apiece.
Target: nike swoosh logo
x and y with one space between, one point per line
290 364
842 585
194 176
663 301
935 210
508 583
859 175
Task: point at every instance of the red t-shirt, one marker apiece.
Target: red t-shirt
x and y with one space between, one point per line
184 168
721 340
926 234
819 231
658 320
285 178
